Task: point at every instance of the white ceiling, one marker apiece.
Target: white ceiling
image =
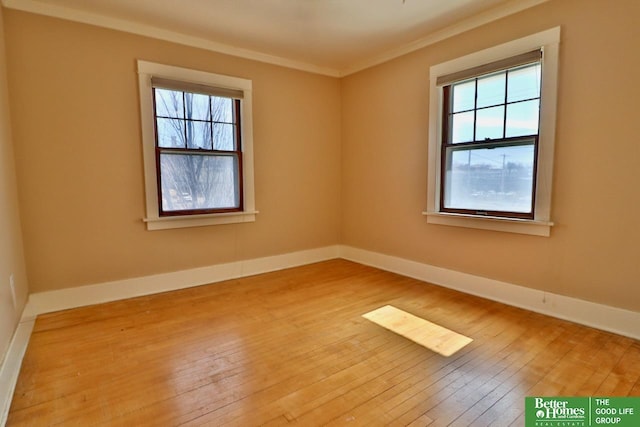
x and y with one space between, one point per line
334 36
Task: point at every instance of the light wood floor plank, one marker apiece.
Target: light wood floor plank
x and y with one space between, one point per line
508 363
539 379
291 348
546 339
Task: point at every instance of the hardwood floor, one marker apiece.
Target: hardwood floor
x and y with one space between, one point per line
291 347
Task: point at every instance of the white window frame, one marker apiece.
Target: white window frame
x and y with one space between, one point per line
549 42
153 220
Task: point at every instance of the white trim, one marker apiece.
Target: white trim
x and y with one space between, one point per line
147 70
600 316
165 223
61 12
445 33
612 319
63 299
162 34
549 41
520 226
10 368
47 302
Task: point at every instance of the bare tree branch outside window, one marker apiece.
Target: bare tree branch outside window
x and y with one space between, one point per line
198 153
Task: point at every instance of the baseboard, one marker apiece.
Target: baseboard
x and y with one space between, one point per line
63 299
607 318
612 319
10 367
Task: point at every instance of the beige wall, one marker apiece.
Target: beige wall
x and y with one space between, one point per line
76 125
593 252
11 252
337 161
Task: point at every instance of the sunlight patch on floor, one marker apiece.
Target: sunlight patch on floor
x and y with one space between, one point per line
421 331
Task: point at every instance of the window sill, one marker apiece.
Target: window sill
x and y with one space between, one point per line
164 223
509 225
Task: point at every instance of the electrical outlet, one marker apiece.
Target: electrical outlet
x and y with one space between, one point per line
12 287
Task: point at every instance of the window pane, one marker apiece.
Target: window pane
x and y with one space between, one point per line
197 106
222 109
198 182
524 83
489 123
198 135
522 118
497 179
169 103
223 137
464 95
462 127
170 133
491 90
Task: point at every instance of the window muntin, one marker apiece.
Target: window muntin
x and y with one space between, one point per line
489 143
180 79
544 45
198 152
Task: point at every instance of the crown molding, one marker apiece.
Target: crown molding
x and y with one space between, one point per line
69 14
460 27
36 7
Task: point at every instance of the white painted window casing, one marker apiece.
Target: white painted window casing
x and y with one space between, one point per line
147 70
548 41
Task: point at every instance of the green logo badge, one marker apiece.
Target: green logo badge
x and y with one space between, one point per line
582 411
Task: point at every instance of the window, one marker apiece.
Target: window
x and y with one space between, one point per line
492 126
197 146
198 149
489 141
